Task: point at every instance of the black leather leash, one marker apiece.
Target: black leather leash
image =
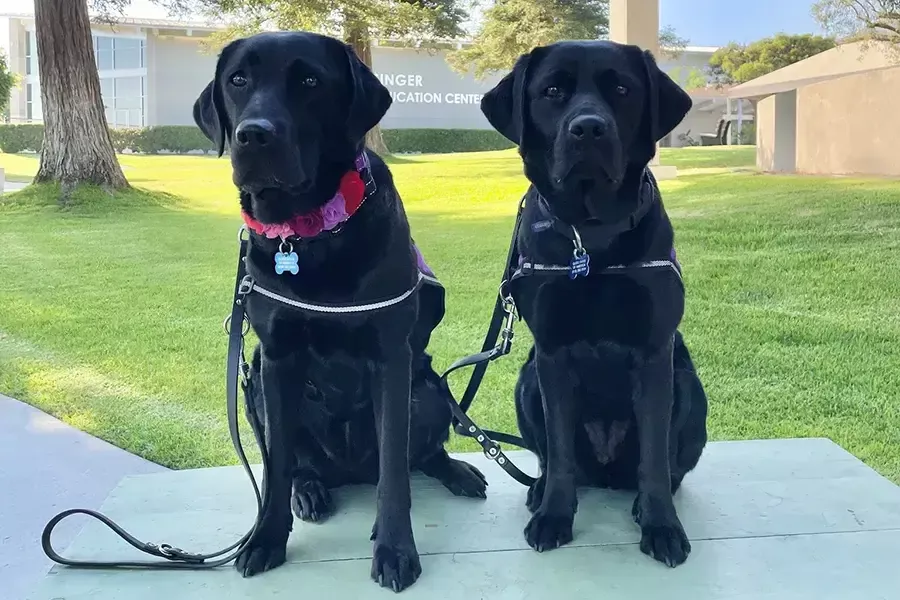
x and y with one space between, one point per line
174 557
500 328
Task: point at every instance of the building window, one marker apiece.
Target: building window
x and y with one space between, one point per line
30 53
123 100
118 52
33 110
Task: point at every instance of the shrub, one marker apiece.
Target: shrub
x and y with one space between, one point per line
441 141
178 139
21 138
182 139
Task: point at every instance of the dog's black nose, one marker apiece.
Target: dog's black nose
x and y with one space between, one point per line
254 132
590 127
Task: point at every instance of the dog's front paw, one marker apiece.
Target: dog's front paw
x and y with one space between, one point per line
311 501
535 494
547 531
662 535
462 479
395 566
259 556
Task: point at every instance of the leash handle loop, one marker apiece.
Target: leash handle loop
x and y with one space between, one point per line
173 556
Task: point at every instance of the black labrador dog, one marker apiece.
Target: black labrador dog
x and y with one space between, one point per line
343 395
608 395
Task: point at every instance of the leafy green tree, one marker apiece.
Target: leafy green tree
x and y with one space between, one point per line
736 63
357 22
863 21
511 28
690 79
8 81
873 19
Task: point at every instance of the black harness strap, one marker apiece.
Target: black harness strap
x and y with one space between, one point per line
176 558
501 328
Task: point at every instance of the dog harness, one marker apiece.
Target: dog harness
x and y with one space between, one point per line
498 341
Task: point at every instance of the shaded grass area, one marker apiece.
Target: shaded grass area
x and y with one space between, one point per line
112 307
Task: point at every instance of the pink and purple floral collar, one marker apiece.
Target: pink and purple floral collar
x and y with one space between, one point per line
350 196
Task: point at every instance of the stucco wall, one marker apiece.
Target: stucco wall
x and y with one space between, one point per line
776 132
765 134
850 125
177 71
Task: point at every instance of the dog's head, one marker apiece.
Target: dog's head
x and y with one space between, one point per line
294 109
584 115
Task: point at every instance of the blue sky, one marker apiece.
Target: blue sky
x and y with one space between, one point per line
717 22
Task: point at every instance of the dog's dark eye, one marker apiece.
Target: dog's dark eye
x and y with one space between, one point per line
553 92
238 80
311 82
622 90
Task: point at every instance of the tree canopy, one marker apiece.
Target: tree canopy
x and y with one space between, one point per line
416 20
511 28
737 63
860 19
8 81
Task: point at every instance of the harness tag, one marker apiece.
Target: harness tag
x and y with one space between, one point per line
539 226
286 259
580 265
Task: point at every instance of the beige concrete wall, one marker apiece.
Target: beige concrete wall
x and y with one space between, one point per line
850 125
765 134
177 71
776 133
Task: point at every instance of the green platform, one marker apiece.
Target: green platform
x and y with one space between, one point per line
781 519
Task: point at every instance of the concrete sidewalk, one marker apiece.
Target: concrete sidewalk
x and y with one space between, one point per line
47 466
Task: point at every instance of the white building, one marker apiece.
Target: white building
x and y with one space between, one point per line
151 71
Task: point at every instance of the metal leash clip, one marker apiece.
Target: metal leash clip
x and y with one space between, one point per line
507 333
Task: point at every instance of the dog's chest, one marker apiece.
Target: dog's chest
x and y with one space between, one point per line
632 311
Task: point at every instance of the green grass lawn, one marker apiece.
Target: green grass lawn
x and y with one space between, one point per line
112 309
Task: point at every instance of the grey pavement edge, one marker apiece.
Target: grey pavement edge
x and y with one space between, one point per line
47 466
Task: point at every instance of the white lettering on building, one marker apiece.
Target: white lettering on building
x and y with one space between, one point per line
405 80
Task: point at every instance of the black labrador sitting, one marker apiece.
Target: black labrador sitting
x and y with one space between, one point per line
342 396
608 396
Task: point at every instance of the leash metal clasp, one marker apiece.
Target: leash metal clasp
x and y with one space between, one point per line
509 307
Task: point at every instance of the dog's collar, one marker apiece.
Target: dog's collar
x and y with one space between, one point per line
592 234
355 188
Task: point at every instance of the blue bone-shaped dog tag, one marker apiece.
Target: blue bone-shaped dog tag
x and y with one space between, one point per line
580 265
286 261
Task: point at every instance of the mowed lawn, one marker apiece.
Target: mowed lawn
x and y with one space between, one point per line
111 310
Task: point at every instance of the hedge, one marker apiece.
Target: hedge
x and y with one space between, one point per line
440 141
182 139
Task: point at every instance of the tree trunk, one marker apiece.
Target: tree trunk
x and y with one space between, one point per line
77 147
358 37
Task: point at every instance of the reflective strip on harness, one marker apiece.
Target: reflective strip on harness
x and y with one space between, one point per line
341 309
527 268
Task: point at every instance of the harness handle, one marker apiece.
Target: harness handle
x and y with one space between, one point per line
174 557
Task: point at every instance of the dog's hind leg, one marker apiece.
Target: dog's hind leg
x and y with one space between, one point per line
430 419
461 478
310 499
530 419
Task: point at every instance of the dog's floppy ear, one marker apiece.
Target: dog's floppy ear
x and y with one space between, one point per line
505 105
666 103
209 108
207 119
370 101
